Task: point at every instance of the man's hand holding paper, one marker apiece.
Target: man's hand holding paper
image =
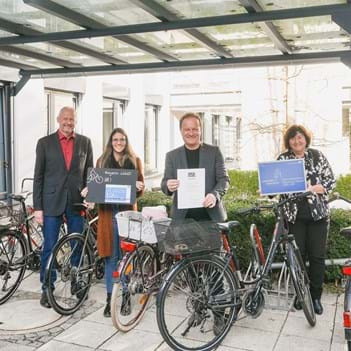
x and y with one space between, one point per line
191 190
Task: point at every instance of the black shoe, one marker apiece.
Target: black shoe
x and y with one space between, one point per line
78 288
317 306
44 300
218 323
126 306
80 295
297 304
195 320
107 310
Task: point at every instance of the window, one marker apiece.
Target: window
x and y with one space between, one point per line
5 149
151 137
112 116
229 151
346 113
238 128
55 100
202 117
215 130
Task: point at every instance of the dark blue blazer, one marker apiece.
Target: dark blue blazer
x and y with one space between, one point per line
54 186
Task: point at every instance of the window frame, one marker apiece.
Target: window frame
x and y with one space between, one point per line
117 110
51 113
156 113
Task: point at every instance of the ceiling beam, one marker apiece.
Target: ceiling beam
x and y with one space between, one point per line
269 60
117 31
252 6
20 84
165 15
343 20
23 31
90 23
18 65
38 56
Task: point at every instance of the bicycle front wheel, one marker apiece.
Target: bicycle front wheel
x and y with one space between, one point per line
69 274
301 283
12 263
132 292
197 304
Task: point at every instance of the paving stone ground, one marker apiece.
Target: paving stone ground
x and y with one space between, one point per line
25 326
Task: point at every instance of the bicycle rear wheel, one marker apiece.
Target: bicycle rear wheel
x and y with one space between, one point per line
13 252
131 293
197 304
301 283
69 274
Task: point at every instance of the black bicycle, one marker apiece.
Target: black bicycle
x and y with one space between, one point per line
204 292
346 269
71 267
20 242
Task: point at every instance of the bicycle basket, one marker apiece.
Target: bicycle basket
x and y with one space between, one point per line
11 214
133 225
17 216
187 236
4 214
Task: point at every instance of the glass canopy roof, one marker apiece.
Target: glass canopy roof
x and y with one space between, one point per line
289 31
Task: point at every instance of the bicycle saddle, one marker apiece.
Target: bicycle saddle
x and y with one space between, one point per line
346 232
17 197
227 226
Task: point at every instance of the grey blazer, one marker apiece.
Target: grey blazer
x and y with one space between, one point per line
54 186
217 180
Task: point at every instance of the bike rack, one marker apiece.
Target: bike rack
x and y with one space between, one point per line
281 298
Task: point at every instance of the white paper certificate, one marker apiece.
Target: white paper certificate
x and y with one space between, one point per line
191 191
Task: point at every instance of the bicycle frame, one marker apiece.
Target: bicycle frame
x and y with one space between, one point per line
129 247
346 270
280 239
347 300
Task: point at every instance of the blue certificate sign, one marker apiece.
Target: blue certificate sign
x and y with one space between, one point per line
282 177
111 186
117 194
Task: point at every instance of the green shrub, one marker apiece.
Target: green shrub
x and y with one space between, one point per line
243 184
343 186
337 246
154 198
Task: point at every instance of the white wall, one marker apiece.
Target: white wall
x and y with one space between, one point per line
30 124
90 115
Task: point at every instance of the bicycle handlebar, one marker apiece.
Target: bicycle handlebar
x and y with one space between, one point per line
258 208
20 197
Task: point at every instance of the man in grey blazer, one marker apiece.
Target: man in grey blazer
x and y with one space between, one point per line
62 162
194 154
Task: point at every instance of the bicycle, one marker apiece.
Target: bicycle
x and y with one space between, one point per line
204 292
139 274
20 243
346 270
71 266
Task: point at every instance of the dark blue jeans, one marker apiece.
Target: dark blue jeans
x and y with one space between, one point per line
111 262
51 232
